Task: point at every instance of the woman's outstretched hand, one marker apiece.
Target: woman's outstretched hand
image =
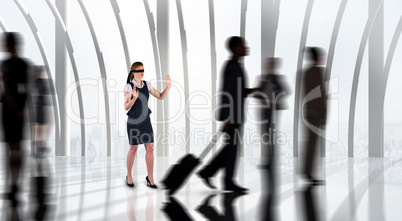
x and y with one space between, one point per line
168 83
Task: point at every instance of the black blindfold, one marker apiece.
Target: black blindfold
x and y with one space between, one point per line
137 71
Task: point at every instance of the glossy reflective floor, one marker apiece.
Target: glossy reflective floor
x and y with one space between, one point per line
94 189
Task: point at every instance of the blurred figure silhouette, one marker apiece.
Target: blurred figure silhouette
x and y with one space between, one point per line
308 203
210 213
40 92
175 211
273 91
314 110
231 112
41 95
14 75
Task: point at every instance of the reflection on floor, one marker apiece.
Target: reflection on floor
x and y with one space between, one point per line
94 189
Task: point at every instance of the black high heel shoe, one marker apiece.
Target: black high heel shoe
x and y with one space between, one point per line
149 184
129 184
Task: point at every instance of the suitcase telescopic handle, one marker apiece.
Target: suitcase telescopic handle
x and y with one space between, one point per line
215 139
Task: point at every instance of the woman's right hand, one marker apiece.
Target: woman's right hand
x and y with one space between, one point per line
135 93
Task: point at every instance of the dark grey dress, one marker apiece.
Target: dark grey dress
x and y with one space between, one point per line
139 128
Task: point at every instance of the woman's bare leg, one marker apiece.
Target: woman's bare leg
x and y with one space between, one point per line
130 206
149 159
149 211
130 162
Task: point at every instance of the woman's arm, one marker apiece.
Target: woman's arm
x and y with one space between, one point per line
162 95
128 102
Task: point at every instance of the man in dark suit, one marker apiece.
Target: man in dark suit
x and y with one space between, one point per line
231 112
315 110
14 76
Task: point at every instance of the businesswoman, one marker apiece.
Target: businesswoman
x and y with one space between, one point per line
139 128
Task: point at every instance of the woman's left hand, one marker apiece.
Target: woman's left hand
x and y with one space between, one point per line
168 83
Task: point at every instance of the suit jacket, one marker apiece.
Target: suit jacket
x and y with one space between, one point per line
279 87
233 93
313 78
15 79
